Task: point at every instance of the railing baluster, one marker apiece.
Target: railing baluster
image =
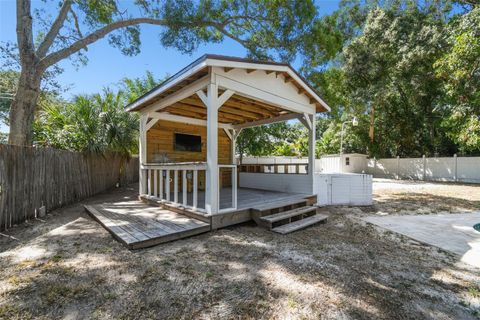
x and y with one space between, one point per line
234 187
161 184
184 187
175 186
149 182
167 185
155 183
195 189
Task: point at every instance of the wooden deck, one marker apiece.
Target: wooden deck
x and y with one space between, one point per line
138 225
246 198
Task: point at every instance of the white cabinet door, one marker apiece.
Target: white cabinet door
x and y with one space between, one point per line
340 190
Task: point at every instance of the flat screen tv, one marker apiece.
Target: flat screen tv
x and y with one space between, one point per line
187 142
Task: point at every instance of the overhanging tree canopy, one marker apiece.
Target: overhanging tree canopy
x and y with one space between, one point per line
257 25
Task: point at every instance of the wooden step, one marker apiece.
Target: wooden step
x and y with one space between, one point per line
279 205
287 214
300 224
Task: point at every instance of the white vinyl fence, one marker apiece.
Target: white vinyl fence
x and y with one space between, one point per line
455 169
347 163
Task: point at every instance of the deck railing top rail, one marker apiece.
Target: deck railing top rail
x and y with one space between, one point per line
176 166
284 168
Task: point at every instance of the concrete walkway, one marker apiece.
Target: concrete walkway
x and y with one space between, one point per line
451 232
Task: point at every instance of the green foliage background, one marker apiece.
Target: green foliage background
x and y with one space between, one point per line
408 69
414 64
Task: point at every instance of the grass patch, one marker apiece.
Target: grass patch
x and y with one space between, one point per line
17 281
13 312
61 293
56 258
25 264
474 292
292 302
14 280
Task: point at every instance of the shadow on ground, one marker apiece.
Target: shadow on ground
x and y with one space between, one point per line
69 266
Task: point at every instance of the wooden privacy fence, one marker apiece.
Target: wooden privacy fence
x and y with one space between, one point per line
31 178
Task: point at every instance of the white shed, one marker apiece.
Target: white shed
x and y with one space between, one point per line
345 163
343 189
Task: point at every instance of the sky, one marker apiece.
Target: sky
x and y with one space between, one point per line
106 65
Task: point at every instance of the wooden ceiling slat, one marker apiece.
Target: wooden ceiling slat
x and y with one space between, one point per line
232 116
186 113
203 111
243 113
254 102
254 109
235 109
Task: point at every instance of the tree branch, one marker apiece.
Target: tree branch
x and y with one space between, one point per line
24 31
77 25
53 32
59 55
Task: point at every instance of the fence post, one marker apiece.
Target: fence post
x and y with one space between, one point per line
424 161
455 166
398 167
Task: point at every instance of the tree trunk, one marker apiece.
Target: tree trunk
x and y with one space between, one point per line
23 108
371 132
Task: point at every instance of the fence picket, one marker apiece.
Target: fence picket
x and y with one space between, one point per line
32 177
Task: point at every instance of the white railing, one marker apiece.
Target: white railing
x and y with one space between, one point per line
159 178
234 187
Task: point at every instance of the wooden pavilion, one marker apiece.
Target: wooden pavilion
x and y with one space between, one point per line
188 128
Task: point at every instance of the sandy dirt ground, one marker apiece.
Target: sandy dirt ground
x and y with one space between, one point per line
69 267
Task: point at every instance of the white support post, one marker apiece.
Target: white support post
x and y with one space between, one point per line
175 186
195 189
184 188
149 182
142 145
234 187
233 145
455 171
155 183
424 167
311 152
167 185
211 188
398 168
161 185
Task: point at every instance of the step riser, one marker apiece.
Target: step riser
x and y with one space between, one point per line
282 209
292 219
289 216
301 224
258 214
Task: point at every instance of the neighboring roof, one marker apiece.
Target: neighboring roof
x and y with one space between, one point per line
199 68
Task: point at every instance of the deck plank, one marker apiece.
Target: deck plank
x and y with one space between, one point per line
288 214
117 231
138 225
300 224
127 223
281 203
